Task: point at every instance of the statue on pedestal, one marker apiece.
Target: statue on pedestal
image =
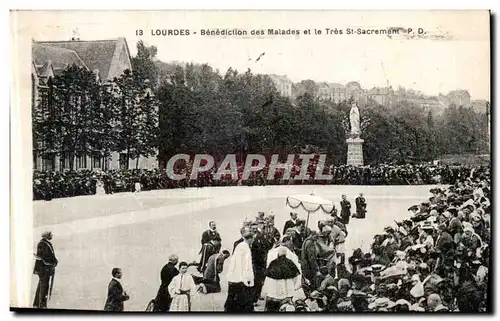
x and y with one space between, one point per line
354 119
354 142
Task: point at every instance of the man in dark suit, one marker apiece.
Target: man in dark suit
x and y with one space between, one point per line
345 212
45 265
116 295
360 206
292 222
209 235
168 272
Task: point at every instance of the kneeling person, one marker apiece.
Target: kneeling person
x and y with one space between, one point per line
210 282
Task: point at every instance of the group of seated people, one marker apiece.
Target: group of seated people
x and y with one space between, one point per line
436 260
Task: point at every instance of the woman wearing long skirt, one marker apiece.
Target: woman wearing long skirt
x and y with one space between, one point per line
181 289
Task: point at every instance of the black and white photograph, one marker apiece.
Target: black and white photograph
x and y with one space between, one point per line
252 161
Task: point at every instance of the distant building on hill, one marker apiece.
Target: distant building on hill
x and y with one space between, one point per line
282 84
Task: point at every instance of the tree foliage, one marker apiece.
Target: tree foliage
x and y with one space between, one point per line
202 111
76 116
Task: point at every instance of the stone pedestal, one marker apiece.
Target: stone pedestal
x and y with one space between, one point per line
355 151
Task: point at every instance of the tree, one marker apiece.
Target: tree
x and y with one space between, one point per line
143 64
136 126
75 95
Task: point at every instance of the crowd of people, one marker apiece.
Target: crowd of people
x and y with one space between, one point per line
49 185
437 260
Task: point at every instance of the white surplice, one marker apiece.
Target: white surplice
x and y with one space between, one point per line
181 302
281 289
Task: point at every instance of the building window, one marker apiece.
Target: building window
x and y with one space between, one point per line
123 160
81 161
48 162
35 160
96 160
65 160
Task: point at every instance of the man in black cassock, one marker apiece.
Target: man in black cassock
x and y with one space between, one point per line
345 211
45 265
259 248
168 272
208 249
360 206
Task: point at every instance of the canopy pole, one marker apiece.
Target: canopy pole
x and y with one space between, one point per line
307 222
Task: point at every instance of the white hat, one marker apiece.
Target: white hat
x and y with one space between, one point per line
402 302
468 227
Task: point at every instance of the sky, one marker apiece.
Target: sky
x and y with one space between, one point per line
453 54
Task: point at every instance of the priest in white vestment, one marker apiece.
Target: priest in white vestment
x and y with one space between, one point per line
240 277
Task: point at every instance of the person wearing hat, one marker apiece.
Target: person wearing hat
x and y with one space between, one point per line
433 301
401 305
479 227
45 265
425 236
425 207
413 209
470 239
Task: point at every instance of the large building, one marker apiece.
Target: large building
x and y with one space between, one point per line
354 91
324 91
380 95
282 84
332 91
459 97
107 59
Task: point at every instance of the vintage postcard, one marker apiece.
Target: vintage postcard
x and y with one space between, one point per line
251 161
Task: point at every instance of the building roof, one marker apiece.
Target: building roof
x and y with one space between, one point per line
353 84
379 91
459 92
279 78
45 56
101 55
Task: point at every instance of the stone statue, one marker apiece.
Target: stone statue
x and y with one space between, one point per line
354 118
